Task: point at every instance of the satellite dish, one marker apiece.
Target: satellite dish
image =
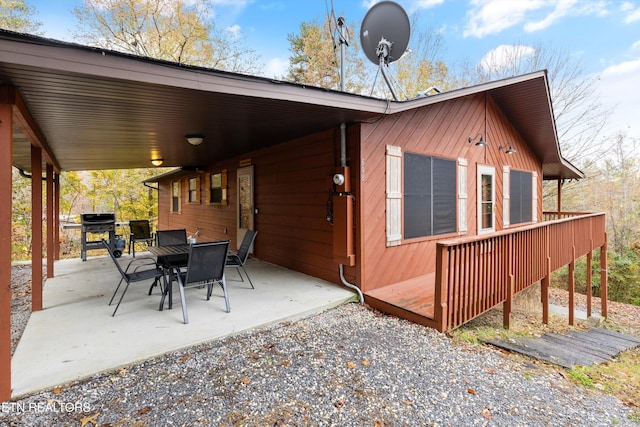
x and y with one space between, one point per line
385 27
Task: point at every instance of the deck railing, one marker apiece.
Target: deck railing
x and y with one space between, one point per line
475 274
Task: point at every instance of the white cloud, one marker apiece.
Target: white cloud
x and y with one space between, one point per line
504 56
636 45
633 14
617 89
234 30
426 4
493 16
276 68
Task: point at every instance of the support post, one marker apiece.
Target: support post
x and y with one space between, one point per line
36 227
50 222
544 291
508 304
603 278
589 281
6 156
440 308
559 197
56 216
572 286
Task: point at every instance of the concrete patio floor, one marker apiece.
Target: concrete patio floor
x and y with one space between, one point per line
74 336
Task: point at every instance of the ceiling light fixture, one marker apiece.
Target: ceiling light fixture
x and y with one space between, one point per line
157 162
194 139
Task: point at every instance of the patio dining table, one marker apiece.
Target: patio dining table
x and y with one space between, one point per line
167 251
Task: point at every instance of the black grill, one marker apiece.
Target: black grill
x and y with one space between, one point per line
99 223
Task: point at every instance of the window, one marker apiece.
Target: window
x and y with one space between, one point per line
194 190
218 188
486 199
429 196
175 196
521 196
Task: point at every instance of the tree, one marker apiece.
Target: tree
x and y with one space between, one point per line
315 60
174 30
580 116
17 15
420 69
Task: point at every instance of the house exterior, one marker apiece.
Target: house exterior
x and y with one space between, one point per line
397 199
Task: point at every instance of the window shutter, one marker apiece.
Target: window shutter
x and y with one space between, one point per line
534 196
462 196
506 197
394 195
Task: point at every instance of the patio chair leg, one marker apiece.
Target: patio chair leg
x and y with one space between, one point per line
120 300
249 278
223 284
183 302
115 292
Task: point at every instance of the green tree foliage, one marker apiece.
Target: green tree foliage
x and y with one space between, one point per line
174 30
17 15
315 57
21 216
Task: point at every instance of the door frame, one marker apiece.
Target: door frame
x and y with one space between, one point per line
485 170
250 209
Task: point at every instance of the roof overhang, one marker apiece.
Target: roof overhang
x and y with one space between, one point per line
94 109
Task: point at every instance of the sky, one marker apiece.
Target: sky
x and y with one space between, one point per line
604 35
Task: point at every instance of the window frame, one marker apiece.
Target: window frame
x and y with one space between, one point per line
518 197
175 202
437 195
223 188
193 194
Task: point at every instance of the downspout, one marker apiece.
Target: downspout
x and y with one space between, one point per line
343 163
350 285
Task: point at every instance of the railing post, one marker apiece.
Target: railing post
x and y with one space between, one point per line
589 280
603 278
572 286
440 305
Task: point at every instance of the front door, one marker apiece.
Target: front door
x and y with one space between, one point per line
486 199
245 202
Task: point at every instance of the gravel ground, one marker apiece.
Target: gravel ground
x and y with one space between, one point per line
349 366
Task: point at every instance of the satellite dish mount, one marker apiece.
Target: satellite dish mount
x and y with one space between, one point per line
384 36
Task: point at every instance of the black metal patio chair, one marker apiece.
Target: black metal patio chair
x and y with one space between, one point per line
237 260
171 237
136 275
205 267
140 232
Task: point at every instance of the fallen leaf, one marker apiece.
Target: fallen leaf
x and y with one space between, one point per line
377 424
144 410
471 391
57 390
351 365
407 402
184 358
91 419
487 414
245 380
285 363
365 362
491 371
339 403
123 371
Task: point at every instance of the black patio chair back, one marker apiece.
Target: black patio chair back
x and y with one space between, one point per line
136 275
172 237
238 260
140 232
205 267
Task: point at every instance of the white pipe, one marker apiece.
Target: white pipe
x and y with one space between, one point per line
349 285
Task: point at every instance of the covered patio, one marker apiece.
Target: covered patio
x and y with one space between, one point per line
74 335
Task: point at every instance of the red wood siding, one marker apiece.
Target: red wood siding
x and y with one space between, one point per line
292 183
440 130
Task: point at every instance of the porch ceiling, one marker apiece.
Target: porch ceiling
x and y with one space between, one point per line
105 110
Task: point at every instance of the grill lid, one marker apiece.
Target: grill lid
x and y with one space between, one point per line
98 218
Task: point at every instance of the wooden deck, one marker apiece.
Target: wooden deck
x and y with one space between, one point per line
412 299
476 273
